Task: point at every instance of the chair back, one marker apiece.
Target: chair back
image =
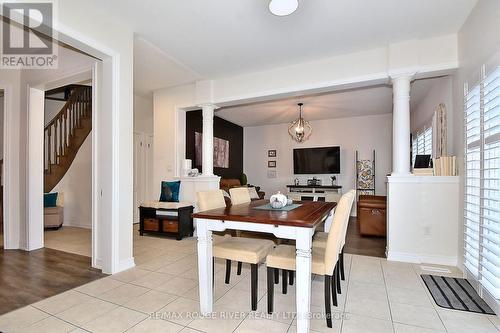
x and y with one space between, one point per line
342 212
239 195
344 231
208 200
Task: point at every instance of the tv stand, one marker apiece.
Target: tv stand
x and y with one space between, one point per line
313 192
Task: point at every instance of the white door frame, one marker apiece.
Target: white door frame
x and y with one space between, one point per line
10 219
35 235
105 157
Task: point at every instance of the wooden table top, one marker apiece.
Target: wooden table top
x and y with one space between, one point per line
310 214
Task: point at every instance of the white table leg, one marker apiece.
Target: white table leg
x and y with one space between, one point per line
303 272
205 267
329 221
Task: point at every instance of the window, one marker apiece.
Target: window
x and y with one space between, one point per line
482 181
422 143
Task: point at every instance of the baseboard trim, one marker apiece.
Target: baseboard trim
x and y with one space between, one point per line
76 225
422 258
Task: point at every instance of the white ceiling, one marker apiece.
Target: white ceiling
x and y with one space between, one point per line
228 37
154 69
349 103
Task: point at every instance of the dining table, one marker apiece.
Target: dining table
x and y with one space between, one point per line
297 224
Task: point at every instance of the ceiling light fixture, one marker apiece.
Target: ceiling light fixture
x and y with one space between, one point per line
300 130
283 7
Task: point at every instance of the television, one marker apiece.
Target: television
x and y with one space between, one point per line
323 160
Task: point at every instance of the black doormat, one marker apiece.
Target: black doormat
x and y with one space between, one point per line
456 294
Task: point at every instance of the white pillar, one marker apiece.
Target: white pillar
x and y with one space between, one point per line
401 125
208 139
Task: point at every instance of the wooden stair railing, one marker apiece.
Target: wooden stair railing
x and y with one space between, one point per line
65 133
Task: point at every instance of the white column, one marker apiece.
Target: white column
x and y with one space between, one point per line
401 125
208 139
303 245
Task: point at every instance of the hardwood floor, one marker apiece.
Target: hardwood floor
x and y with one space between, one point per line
362 245
27 277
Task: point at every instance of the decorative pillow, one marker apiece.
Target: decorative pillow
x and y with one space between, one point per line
50 200
253 193
170 191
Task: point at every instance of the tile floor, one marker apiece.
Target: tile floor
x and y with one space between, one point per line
161 295
70 239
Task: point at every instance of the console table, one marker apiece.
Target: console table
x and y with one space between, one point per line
313 192
171 218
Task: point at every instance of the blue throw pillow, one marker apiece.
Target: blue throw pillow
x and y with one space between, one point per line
170 191
50 200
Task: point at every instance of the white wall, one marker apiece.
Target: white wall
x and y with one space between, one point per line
143 114
357 133
77 188
1 125
52 108
440 92
478 44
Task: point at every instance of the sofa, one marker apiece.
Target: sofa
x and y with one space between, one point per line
228 183
53 217
372 215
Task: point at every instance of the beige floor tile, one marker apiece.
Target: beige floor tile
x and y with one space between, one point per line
224 320
318 320
62 302
177 285
361 324
465 322
258 325
21 318
284 308
99 287
401 328
181 311
50 324
123 294
152 280
177 268
496 321
362 290
368 307
418 297
416 316
85 312
236 299
155 326
404 281
130 275
151 301
155 264
117 320
189 330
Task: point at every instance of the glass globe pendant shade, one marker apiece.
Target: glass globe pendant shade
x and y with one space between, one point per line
283 7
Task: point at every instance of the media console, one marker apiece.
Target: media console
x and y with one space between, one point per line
313 192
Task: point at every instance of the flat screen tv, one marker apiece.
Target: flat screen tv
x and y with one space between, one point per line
324 160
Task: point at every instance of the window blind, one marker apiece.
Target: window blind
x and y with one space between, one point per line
422 143
482 181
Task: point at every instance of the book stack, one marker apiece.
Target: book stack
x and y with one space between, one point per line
423 172
445 166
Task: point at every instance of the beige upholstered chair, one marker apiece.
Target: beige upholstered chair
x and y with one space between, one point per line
239 195
324 260
240 249
320 239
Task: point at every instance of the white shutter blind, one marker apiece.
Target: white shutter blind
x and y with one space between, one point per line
422 143
482 192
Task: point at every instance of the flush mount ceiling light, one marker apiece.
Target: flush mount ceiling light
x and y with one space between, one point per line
283 7
300 130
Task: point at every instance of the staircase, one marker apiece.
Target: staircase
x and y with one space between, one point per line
65 134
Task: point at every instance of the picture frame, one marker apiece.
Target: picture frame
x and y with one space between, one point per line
271 153
271 164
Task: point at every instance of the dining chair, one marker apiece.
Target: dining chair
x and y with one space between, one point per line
324 260
239 195
240 249
320 239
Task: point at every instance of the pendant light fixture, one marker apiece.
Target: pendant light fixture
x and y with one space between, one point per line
300 130
283 7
